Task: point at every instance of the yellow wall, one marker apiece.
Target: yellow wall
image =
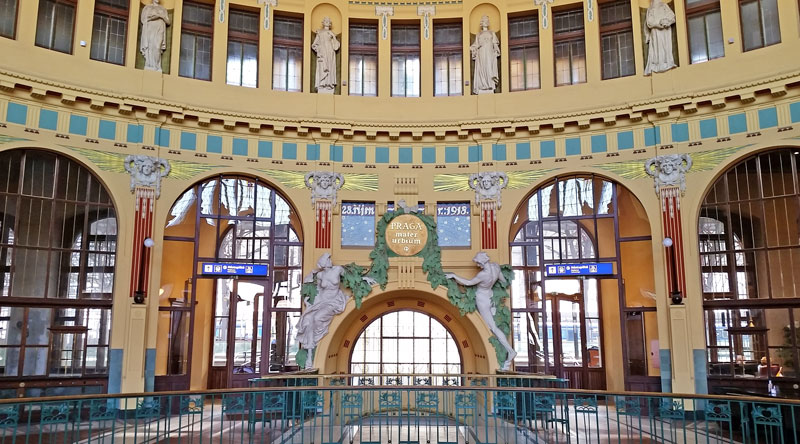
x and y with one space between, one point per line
745 83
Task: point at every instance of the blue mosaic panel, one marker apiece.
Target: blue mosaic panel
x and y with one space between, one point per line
680 132
106 130
359 154
135 133
547 148
452 224
625 140
599 143
475 153
652 136
358 224
78 124
289 150
49 119
523 150
17 113
405 155
498 152
428 154
737 123
264 148
708 128
188 141
336 153
240 147
794 112
214 144
312 151
573 146
382 154
767 118
161 137
451 154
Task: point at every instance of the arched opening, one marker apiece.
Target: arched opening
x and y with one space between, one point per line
218 330
582 305
749 243
58 234
406 342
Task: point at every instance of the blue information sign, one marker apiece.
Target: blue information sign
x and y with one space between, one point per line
223 269
585 269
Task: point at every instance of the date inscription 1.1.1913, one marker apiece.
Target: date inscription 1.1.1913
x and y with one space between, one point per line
406 235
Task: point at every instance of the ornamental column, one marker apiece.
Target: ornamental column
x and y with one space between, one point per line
488 186
138 365
324 186
669 175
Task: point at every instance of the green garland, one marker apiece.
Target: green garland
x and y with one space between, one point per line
461 297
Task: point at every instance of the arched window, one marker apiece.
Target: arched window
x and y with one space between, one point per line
405 342
58 233
749 243
251 319
558 325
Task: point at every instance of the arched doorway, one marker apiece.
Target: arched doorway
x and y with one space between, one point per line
406 342
58 235
219 330
749 243
571 324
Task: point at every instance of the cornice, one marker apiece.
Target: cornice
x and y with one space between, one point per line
659 107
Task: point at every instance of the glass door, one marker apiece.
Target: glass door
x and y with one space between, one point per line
573 343
238 319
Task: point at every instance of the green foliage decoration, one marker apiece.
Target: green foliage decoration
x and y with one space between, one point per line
462 297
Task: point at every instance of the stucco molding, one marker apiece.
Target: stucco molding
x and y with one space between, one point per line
774 87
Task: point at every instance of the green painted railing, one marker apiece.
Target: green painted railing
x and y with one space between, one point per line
400 409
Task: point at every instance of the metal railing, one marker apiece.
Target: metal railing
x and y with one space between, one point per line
400 409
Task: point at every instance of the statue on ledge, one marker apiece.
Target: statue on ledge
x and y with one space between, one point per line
485 280
155 20
329 301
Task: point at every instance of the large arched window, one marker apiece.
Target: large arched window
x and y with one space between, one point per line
749 243
58 232
249 320
559 324
405 342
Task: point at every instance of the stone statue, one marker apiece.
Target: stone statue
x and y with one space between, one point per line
485 52
485 280
324 185
669 170
406 207
658 36
146 171
329 302
325 45
487 185
154 34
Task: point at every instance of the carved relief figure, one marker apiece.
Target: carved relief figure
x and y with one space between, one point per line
330 301
325 45
485 280
324 185
488 185
485 52
669 170
154 34
146 171
658 36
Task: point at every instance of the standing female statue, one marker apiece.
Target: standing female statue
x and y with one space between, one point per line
485 280
154 34
658 36
485 52
325 45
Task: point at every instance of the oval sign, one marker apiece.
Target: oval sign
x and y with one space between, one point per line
406 235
